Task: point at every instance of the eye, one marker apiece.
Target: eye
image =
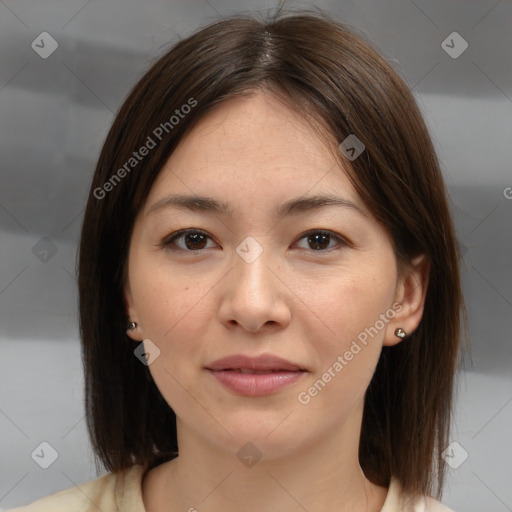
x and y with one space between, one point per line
194 240
319 240
191 240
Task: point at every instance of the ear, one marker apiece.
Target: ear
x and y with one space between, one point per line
131 313
410 294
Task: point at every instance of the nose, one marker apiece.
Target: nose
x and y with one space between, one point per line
255 296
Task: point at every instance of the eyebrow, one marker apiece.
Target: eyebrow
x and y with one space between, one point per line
294 206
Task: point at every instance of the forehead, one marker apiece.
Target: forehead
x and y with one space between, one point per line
253 148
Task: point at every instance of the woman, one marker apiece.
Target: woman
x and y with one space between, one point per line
269 285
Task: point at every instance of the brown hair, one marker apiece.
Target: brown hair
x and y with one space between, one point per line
335 78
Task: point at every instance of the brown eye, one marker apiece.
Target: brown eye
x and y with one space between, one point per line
187 240
194 241
319 241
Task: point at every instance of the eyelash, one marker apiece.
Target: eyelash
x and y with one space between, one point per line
170 239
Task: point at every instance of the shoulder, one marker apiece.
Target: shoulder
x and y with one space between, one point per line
429 504
396 502
107 493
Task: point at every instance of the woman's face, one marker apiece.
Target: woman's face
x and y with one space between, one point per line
314 285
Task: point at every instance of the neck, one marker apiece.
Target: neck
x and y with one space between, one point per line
323 476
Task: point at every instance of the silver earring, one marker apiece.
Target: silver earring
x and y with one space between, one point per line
131 326
400 333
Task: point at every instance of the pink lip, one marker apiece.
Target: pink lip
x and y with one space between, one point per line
261 362
228 372
253 384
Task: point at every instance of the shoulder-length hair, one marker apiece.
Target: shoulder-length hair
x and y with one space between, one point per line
338 81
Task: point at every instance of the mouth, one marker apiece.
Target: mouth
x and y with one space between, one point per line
254 383
255 376
257 372
262 364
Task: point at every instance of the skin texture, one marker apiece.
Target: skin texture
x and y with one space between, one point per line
294 301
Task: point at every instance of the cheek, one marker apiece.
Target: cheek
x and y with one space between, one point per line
353 315
166 302
349 307
348 350
175 315
175 319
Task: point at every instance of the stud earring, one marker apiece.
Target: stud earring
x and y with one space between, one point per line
400 333
131 326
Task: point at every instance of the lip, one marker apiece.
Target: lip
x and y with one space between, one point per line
280 373
262 362
253 384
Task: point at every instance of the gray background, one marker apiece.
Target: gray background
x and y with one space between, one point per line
55 113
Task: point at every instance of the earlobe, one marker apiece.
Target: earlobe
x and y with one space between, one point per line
411 293
131 330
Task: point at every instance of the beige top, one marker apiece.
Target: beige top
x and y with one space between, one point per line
122 491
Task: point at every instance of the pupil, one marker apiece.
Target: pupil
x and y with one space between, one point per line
319 239
196 239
